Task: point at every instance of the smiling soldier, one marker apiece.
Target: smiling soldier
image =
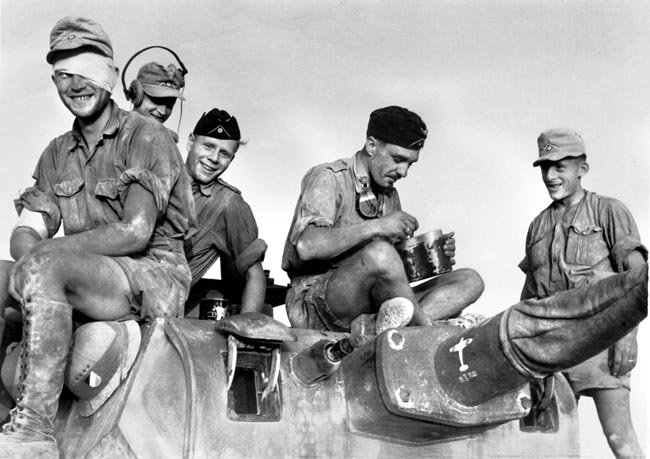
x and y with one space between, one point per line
226 226
339 252
116 183
579 238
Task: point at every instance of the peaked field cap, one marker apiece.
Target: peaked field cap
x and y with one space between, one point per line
398 126
558 143
73 32
218 124
160 81
100 359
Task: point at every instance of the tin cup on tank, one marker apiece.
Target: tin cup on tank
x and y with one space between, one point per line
213 308
423 255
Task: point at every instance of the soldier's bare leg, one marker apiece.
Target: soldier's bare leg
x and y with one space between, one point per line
93 284
49 285
448 294
613 407
366 279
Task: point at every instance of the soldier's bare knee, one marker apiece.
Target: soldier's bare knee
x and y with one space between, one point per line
473 282
380 256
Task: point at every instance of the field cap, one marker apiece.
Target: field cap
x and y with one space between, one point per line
218 124
159 81
75 32
398 126
556 144
100 359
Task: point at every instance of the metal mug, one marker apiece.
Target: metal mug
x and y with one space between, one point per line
423 255
213 308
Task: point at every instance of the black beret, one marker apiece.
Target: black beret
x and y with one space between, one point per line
218 124
398 126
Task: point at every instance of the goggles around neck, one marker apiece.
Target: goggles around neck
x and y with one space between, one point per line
367 202
368 205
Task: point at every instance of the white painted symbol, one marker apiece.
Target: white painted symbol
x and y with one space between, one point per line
462 344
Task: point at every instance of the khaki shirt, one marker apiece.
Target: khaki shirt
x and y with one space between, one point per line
592 244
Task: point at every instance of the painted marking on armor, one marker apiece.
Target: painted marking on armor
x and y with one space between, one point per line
458 347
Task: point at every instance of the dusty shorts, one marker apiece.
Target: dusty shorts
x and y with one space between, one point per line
307 307
594 374
160 282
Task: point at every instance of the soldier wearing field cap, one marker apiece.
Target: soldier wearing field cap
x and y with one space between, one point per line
339 252
116 183
227 229
156 89
579 238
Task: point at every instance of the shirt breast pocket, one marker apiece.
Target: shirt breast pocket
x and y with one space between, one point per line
586 245
108 192
538 250
71 204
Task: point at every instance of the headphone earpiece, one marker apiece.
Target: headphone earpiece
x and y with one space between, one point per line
135 93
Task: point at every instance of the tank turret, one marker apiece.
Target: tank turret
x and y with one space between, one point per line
247 386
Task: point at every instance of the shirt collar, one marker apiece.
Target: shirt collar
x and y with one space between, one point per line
205 189
111 128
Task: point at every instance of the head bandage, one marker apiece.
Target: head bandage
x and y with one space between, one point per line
99 70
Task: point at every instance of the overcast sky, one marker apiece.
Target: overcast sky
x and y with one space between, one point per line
303 76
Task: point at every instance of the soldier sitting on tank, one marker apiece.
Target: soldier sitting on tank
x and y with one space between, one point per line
117 184
155 91
226 225
339 252
227 229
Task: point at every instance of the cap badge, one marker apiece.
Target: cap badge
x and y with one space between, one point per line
71 36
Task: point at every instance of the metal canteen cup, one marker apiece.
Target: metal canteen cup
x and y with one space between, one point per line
423 255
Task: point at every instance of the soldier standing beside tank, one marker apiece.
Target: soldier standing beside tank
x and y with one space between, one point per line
579 238
117 184
339 252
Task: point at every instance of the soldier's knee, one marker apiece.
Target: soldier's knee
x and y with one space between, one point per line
380 256
472 281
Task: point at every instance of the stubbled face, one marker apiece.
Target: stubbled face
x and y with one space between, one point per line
388 163
80 96
562 179
208 158
159 108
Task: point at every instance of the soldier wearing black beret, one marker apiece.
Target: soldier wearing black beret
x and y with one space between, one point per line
339 252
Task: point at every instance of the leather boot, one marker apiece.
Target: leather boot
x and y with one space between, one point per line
47 336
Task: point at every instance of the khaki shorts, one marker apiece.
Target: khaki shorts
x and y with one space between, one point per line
307 307
160 282
594 374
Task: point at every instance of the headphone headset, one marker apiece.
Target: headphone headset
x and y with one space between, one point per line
135 92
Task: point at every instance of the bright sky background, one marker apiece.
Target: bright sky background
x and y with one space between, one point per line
302 77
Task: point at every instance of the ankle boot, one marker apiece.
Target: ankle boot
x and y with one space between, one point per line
47 335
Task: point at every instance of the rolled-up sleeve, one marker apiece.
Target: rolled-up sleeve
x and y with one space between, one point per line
242 243
150 181
153 162
40 197
621 232
36 200
318 202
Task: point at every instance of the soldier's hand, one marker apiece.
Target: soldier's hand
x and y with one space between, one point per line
449 247
398 225
623 355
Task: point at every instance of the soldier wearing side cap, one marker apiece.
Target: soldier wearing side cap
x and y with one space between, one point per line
227 229
579 238
117 184
339 252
